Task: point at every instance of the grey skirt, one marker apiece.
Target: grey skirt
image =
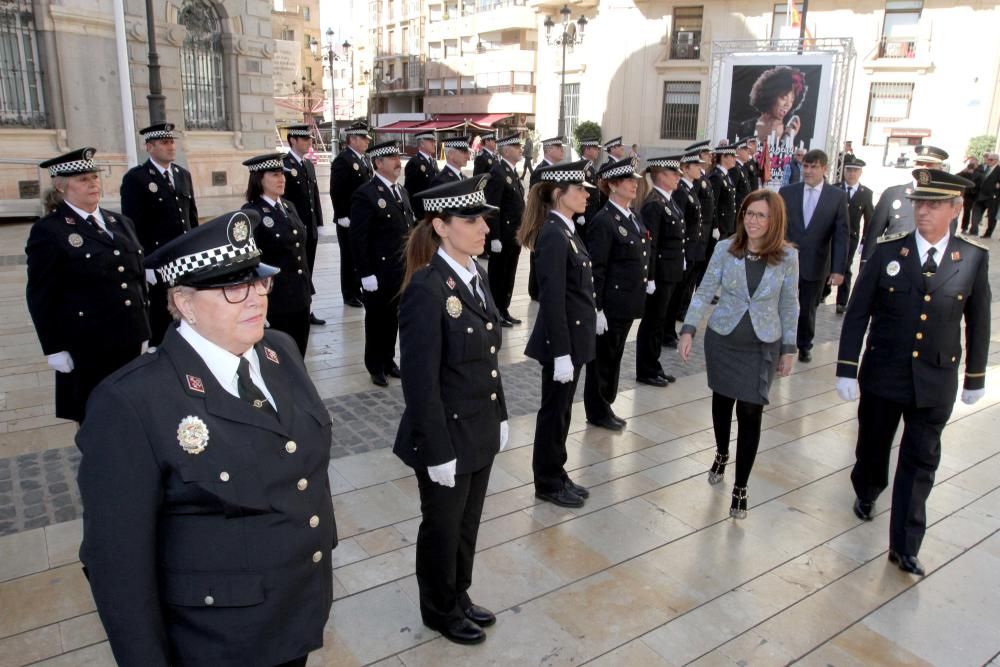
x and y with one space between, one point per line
740 365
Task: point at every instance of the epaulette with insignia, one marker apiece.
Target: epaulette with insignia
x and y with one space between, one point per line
972 242
892 237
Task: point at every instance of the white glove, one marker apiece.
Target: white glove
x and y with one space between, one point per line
861 248
443 474
715 233
602 323
684 264
563 371
847 389
344 222
369 284
650 286
496 246
144 347
970 396
580 220
504 434
60 362
151 276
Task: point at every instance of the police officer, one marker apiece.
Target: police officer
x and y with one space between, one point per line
487 156
665 221
505 191
553 152
615 149
590 150
752 167
86 284
456 156
281 237
617 242
349 171
208 524
859 206
159 196
738 175
912 296
724 191
302 190
695 244
421 169
381 218
455 419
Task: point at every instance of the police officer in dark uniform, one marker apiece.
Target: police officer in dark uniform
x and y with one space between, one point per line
590 150
912 296
751 167
159 195
553 152
281 237
695 244
738 175
505 191
724 191
455 419
859 206
381 218
421 169
615 149
456 156
302 190
618 244
349 171
86 284
208 524
665 221
487 156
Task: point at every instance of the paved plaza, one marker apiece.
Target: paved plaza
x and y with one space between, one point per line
651 571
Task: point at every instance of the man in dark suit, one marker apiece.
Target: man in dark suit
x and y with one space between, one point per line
505 191
421 169
158 196
972 172
859 206
988 198
349 171
456 156
912 297
724 190
817 225
381 219
487 156
302 190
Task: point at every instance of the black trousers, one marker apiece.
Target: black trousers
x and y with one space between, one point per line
968 205
844 290
532 278
810 292
350 282
990 210
548 457
159 317
298 662
502 271
679 301
649 339
381 326
919 455
601 386
295 324
446 543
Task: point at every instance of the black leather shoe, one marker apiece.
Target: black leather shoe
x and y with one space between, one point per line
393 371
668 378
463 631
510 318
805 356
315 320
563 498
906 563
378 379
618 419
655 381
354 302
576 488
864 511
481 616
606 422
670 342
841 309
505 323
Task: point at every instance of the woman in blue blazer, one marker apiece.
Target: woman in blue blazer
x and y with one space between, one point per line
751 333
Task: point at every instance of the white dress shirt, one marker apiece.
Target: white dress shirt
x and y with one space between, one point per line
923 245
223 364
97 216
465 273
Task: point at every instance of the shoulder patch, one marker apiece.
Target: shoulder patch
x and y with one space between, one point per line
891 237
972 242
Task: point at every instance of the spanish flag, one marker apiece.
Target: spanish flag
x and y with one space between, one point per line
795 19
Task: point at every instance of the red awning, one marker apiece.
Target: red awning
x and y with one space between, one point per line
444 122
481 121
399 126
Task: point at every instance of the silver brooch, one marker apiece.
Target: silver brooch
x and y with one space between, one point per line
192 434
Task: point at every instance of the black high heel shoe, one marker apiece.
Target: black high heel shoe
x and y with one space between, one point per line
738 510
718 468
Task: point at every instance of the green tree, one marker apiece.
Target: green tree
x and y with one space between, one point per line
587 129
984 143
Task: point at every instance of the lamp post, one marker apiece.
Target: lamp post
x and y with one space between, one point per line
334 133
157 100
346 46
376 77
571 35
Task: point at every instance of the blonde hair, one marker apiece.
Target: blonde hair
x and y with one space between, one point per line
171 306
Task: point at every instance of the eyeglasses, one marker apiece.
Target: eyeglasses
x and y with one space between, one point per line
755 215
239 293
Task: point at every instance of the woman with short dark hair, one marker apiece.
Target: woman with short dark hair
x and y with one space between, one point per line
776 94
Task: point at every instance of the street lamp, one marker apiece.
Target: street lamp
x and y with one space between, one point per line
376 78
571 35
347 49
334 133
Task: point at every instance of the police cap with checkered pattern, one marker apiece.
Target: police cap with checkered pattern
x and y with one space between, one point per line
75 162
466 199
625 168
158 131
267 162
572 172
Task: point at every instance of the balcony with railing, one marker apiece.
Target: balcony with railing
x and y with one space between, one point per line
911 53
896 47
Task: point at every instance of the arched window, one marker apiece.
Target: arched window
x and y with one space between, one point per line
202 80
21 101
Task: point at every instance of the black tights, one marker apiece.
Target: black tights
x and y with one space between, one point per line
747 436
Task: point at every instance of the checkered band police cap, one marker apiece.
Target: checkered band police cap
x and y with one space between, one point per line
590 142
465 198
617 141
76 162
267 162
554 141
621 169
384 149
510 140
698 146
489 136
357 129
724 150
689 158
425 136
457 142
572 172
299 131
669 162
158 131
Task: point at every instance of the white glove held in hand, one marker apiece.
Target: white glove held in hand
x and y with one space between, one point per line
847 389
344 222
580 220
715 233
151 276
563 371
504 434
443 474
496 246
60 362
602 323
970 396
650 286
369 284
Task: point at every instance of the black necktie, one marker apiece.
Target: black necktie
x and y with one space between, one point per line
473 284
100 230
930 266
250 392
636 223
395 193
170 181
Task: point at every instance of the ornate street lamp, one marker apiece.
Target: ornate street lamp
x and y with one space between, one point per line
571 35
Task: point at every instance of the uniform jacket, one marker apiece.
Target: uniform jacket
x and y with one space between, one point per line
695 240
666 226
419 172
446 175
302 190
596 200
738 175
989 186
823 245
914 324
281 237
379 226
347 173
219 558
87 296
620 256
724 196
859 207
159 213
893 215
774 306
505 191
451 372
567 318
703 191
484 162
752 171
